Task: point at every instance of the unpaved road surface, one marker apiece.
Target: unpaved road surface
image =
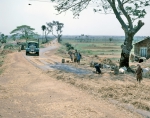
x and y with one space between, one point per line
26 91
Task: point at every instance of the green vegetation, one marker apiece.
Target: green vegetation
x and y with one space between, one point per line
100 48
55 28
3 38
69 46
10 46
25 32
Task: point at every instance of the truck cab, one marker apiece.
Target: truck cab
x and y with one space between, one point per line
32 47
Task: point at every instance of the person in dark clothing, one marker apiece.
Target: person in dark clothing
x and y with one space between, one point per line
97 67
78 57
75 56
139 73
71 55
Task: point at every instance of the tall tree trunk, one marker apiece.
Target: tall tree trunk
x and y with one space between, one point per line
126 49
43 37
59 38
46 37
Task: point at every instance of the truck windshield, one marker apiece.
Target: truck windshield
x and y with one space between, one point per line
33 44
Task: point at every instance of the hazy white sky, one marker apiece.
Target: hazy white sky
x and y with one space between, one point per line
14 13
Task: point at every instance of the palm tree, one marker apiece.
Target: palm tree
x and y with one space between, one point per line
43 28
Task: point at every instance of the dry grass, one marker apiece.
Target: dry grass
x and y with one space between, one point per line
123 87
106 86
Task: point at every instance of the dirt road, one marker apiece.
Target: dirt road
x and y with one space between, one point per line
29 92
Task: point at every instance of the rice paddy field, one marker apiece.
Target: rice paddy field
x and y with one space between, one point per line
102 48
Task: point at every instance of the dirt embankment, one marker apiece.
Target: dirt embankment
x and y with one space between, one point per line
27 91
122 88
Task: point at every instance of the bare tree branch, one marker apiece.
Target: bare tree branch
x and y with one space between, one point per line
125 14
124 26
138 27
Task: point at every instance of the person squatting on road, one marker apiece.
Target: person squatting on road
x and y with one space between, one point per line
139 73
97 67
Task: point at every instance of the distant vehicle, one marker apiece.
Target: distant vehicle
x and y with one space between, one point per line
32 47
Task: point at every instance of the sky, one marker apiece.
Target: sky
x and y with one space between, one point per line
14 13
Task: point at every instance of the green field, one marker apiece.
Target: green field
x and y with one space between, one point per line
101 48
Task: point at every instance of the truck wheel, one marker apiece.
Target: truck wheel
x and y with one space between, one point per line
37 53
27 53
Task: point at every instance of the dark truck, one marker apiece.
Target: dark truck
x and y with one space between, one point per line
32 47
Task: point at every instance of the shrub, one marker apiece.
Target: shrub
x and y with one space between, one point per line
69 46
8 46
3 40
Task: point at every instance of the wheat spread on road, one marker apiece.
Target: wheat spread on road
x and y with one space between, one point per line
28 92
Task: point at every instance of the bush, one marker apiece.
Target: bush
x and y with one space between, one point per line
8 46
69 46
3 40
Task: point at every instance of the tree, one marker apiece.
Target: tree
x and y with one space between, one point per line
126 12
24 31
87 38
3 38
36 35
110 39
58 29
44 30
14 36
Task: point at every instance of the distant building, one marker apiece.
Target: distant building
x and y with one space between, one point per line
142 48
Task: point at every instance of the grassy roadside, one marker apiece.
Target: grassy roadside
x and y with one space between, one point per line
2 57
3 54
107 86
